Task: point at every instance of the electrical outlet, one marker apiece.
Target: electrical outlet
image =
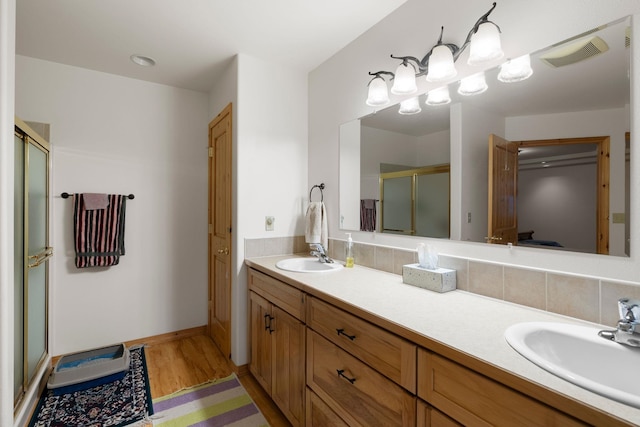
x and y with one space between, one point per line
268 223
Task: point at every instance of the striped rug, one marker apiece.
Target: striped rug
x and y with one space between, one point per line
223 402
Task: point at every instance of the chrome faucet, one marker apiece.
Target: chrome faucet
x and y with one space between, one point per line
628 330
318 251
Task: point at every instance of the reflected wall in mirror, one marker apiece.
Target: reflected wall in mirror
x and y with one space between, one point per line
579 88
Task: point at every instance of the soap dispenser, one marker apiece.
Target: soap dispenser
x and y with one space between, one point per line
349 252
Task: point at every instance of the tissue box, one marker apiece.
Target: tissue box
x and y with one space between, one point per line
438 280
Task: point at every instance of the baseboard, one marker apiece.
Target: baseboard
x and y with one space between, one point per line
169 336
157 339
241 370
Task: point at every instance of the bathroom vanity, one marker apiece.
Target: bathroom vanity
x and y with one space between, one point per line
358 347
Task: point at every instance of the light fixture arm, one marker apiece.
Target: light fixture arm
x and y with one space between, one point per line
379 74
422 66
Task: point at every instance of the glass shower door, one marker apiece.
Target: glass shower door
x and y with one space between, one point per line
38 253
32 251
18 260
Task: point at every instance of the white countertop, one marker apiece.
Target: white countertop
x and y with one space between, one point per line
467 322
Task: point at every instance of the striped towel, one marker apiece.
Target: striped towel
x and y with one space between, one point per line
368 215
99 233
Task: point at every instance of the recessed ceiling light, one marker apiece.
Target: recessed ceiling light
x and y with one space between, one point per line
145 61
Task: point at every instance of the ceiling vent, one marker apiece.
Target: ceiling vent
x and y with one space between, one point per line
575 52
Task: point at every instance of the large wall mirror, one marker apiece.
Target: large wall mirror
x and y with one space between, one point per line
568 129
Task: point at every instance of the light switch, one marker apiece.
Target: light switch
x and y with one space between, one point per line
268 223
619 218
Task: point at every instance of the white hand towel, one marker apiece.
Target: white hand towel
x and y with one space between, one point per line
316 224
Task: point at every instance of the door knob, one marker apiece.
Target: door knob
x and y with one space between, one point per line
224 251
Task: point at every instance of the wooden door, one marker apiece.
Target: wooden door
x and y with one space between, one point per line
219 216
261 331
503 186
288 354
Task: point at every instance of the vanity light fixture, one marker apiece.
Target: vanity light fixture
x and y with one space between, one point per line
442 67
439 96
404 82
485 44
516 70
378 94
410 106
484 39
142 60
473 85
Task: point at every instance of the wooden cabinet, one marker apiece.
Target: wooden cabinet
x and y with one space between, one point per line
473 399
324 366
357 393
278 343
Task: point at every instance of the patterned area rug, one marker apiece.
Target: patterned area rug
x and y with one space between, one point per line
223 402
118 403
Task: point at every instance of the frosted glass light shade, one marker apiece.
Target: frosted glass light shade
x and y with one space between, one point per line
404 82
410 106
485 45
516 70
378 93
441 65
439 96
473 85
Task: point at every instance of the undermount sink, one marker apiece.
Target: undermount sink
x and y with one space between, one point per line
307 265
578 355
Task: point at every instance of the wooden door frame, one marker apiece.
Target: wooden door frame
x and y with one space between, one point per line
603 180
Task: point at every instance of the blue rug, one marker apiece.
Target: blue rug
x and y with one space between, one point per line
115 404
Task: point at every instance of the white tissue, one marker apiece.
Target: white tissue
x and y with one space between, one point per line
427 256
422 258
432 258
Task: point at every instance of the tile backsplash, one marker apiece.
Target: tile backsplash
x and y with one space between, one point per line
585 298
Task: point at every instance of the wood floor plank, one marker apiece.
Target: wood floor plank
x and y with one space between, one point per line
192 360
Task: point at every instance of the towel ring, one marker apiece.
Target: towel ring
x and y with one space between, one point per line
321 187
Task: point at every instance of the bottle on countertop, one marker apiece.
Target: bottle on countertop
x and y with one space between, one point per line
349 252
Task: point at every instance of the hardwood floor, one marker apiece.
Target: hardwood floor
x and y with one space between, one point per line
188 361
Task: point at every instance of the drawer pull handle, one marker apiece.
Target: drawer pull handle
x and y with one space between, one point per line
341 332
341 374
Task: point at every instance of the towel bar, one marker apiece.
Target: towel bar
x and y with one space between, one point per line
321 187
66 195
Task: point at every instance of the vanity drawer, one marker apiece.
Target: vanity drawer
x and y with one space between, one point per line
357 393
284 296
429 416
473 399
387 353
319 414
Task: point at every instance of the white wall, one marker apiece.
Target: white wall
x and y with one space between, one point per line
472 147
271 168
559 204
7 75
117 135
337 90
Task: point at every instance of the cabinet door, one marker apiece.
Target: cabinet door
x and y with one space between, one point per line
261 319
288 352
